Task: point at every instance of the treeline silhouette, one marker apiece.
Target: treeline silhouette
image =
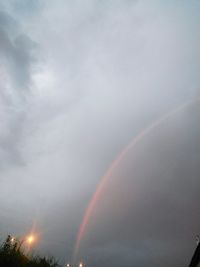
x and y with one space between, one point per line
12 255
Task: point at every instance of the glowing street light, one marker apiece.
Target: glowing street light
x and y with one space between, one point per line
30 239
68 265
12 240
80 264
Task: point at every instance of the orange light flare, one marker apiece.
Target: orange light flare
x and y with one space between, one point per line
28 242
30 239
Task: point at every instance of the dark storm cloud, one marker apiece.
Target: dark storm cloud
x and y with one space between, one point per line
16 52
26 8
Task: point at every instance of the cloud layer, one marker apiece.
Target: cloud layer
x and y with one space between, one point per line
78 82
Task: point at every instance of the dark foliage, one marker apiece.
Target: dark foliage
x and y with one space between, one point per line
196 257
11 255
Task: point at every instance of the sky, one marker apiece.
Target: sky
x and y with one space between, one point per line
78 81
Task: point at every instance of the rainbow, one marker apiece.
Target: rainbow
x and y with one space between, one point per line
103 181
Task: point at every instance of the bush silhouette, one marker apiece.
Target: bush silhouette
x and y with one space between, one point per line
11 255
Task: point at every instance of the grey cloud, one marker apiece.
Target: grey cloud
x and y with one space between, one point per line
17 55
16 51
6 21
106 70
150 204
25 8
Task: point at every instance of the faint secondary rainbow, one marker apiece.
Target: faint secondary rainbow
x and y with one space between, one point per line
113 166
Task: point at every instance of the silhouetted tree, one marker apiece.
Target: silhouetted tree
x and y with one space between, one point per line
11 255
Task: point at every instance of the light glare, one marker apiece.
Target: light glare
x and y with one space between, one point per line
30 239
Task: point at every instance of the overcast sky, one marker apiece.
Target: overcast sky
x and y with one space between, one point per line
78 81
